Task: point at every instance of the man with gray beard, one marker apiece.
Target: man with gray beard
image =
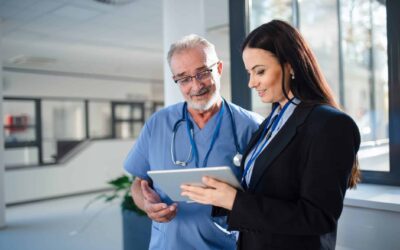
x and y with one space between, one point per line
203 131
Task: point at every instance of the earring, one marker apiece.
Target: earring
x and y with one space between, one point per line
292 74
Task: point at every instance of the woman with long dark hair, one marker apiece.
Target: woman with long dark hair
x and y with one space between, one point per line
298 165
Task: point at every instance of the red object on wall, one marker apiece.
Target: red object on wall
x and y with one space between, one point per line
16 123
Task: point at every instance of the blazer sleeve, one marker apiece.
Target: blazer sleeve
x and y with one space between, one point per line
331 155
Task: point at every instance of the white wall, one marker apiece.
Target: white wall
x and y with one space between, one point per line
363 228
39 85
370 218
192 11
89 170
96 164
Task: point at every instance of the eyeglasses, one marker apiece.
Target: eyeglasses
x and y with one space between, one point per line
200 76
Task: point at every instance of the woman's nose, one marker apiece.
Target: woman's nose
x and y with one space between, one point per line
252 83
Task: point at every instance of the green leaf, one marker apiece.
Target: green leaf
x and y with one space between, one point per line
120 190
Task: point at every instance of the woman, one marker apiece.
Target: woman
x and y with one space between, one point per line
298 165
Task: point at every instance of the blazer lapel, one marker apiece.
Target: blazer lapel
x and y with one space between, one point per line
278 143
253 142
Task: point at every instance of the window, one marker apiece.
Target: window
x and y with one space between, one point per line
49 131
99 119
261 12
19 122
128 119
20 127
357 45
365 67
63 125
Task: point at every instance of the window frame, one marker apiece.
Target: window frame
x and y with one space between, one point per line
116 120
37 143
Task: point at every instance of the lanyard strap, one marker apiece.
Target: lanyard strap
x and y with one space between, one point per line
267 133
190 130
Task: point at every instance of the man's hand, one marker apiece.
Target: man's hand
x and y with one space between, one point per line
150 202
156 210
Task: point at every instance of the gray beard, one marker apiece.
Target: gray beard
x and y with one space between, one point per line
204 107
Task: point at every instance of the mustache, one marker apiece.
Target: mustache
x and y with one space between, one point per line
201 91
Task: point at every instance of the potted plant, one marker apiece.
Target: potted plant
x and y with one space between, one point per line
136 225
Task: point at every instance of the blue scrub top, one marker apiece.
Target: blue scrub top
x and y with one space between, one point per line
193 227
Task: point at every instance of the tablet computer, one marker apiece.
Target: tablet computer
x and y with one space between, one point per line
170 180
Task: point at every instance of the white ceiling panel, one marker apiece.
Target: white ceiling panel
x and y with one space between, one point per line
18 3
79 35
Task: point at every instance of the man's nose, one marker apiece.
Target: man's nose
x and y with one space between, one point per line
196 83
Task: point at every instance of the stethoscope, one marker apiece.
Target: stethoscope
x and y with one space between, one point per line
193 149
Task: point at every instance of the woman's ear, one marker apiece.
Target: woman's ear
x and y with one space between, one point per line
289 69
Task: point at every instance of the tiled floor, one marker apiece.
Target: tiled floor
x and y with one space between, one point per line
63 224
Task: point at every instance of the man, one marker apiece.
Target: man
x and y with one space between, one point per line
203 131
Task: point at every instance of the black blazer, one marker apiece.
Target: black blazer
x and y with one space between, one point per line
298 184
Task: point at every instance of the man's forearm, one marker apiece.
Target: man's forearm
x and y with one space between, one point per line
136 192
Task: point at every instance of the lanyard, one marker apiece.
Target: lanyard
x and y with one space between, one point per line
189 127
269 128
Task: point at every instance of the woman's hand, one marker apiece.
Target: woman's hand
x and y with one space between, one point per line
216 193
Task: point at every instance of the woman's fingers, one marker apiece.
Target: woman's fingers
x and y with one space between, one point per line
211 182
216 193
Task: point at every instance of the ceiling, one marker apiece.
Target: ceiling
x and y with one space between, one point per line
90 37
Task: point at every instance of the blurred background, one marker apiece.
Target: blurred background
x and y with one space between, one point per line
79 78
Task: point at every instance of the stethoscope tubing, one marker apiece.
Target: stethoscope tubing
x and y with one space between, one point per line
190 130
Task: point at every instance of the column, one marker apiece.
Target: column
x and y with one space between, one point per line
2 187
180 18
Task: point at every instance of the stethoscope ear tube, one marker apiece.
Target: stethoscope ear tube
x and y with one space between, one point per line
237 159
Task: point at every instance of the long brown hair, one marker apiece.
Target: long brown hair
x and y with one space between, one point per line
309 84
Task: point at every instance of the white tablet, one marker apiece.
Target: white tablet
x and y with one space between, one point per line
170 180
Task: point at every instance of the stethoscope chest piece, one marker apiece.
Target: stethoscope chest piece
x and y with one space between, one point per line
237 159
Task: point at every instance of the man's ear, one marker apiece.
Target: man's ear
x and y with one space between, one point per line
219 67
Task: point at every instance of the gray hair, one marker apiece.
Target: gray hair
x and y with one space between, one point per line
191 41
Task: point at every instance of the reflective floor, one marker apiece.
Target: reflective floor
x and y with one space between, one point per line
63 224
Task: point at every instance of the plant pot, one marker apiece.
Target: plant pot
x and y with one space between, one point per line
136 230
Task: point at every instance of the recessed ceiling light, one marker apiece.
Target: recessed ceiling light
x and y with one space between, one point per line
35 60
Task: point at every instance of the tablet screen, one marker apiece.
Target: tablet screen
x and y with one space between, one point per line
170 180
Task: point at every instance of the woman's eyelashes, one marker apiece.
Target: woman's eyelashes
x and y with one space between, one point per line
260 72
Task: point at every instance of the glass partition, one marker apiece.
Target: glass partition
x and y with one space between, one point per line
100 119
19 121
44 131
21 142
63 123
